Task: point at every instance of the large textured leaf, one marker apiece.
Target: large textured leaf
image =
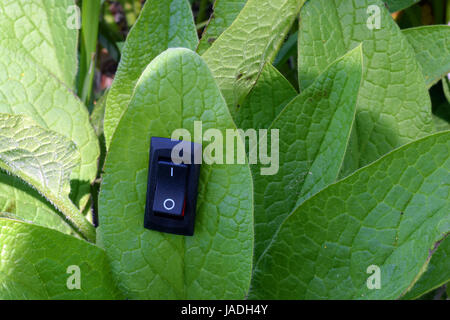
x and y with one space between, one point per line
268 97
175 90
393 105
44 160
432 47
161 25
45 30
225 11
238 56
35 261
437 274
388 214
314 130
26 88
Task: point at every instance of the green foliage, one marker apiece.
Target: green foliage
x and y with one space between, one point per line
29 89
432 49
161 25
50 43
273 92
370 100
395 5
437 274
236 62
315 128
44 160
389 214
393 107
225 12
175 90
35 262
18 198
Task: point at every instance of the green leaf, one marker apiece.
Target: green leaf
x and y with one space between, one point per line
446 87
314 130
268 97
18 198
46 31
441 110
161 25
238 56
35 261
437 274
287 50
225 12
175 90
388 214
26 88
441 105
397 5
393 105
440 124
432 47
44 160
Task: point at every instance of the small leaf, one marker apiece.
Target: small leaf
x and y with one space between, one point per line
437 274
388 214
441 106
446 87
175 90
44 160
161 25
38 263
268 97
393 105
397 5
432 47
238 56
45 30
441 114
314 129
440 124
224 13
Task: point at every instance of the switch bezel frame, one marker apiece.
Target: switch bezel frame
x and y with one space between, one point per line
161 149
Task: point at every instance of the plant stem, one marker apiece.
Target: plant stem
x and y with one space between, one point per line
90 14
78 222
201 16
71 214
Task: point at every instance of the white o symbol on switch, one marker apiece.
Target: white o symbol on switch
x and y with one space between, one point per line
171 204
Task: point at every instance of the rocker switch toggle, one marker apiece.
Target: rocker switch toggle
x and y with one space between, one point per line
172 186
170 193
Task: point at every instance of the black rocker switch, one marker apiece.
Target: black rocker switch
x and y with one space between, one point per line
172 186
